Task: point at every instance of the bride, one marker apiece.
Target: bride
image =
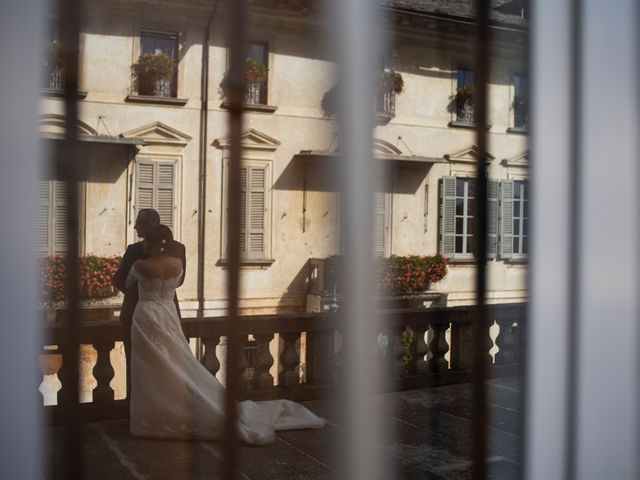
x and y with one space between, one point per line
172 394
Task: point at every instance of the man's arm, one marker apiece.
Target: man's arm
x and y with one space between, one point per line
120 277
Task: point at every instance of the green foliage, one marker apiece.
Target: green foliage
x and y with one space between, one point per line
150 68
390 81
465 95
54 58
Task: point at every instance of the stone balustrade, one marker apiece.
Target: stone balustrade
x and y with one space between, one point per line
417 348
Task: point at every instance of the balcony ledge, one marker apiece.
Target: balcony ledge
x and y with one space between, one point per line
469 125
152 99
518 130
253 107
54 92
248 262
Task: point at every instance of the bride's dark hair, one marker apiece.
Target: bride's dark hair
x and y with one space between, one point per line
160 236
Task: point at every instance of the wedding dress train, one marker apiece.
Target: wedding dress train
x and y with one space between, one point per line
173 395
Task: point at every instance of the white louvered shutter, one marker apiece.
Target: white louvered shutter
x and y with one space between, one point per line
243 210
145 185
59 217
155 188
165 198
256 200
506 220
492 218
379 224
43 217
448 216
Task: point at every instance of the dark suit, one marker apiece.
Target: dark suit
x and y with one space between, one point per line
134 253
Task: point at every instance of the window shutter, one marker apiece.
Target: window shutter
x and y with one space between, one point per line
165 199
506 221
243 210
145 183
492 218
155 188
379 224
448 217
256 199
43 217
59 217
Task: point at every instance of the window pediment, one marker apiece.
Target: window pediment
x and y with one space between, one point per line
251 139
55 124
521 161
160 134
468 155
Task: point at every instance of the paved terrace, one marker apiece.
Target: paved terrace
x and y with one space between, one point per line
429 439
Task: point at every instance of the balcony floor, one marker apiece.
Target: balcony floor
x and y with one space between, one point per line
429 438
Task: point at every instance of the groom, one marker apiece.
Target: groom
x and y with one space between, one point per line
147 219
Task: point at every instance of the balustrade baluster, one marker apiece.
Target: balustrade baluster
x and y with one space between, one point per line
397 353
506 343
439 347
103 372
264 362
246 380
64 377
210 359
421 349
290 376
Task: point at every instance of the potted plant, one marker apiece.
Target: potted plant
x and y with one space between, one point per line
153 72
255 73
390 81
53 66
465 98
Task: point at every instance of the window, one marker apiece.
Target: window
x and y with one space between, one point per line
51 217
520 102
457 217
515 218
256 92
155 188
155 43
465 79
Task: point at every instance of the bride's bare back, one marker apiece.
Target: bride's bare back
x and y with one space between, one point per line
162 267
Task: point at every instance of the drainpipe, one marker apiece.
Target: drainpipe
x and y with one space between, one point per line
202 169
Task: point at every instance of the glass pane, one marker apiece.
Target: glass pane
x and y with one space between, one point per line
525 245
516 208
460 188
525 227
471 189
471 244
459 244
471 225
516 227
155 43
459 225
459 206
257 52
516 245
525 210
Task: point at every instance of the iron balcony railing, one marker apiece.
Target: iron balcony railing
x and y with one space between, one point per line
255 93
54 79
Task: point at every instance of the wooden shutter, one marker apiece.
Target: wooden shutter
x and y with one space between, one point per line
506 220
256 201
448 217
379 224
155 188
145 182
492 218
165 198
43 217
59 217
243 210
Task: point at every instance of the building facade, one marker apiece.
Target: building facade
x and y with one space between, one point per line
145 145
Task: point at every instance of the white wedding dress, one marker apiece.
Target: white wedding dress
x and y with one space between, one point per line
173 395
